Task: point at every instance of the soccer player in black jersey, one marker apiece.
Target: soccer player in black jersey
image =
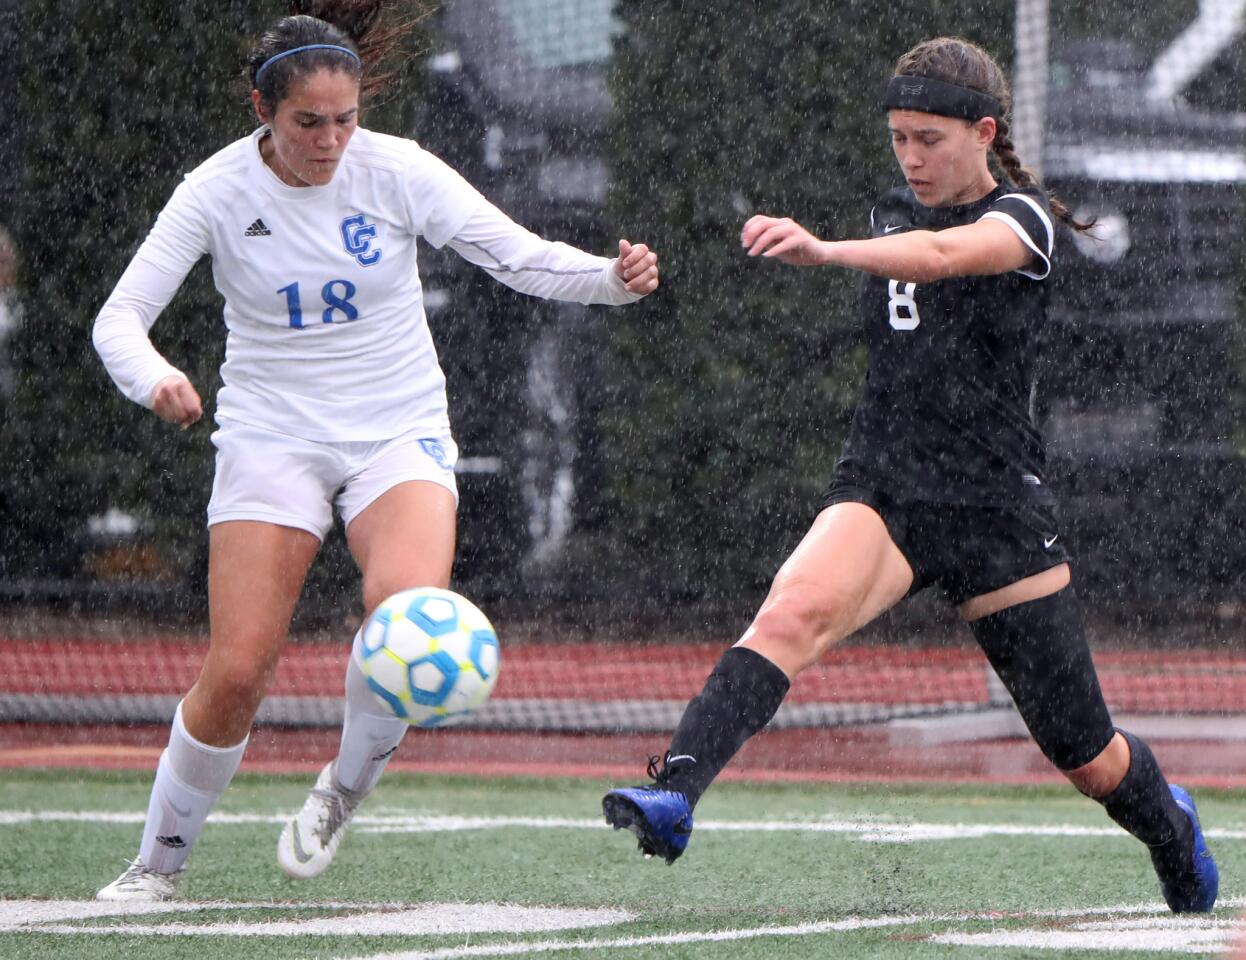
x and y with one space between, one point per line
942 478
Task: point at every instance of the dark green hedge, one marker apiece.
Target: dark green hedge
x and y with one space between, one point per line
124 98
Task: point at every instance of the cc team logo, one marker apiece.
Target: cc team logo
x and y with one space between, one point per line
357 236
437 450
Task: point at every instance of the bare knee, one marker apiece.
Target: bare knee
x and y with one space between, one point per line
1105 772
793 630
232 687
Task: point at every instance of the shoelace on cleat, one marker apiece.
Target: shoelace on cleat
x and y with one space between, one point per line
137 871
338 808
658 774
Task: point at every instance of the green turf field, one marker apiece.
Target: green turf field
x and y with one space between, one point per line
443 867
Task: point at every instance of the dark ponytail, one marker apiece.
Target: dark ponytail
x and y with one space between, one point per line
964 63
371 29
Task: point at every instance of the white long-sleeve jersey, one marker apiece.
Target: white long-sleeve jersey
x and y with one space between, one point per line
327 337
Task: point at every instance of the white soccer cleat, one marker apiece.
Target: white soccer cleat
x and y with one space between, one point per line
307 844
141 884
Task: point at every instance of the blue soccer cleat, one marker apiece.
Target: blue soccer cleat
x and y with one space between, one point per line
1193 891
660 818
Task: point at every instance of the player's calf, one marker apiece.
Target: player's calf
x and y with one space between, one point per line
738 699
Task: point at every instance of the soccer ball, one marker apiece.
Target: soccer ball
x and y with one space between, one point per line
430 656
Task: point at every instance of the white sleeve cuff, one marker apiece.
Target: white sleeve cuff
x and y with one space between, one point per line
1035 270
616 292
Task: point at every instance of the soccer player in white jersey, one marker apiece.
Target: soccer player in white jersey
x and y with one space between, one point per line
311 223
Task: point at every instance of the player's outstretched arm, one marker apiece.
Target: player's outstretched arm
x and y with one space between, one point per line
533 265
917 256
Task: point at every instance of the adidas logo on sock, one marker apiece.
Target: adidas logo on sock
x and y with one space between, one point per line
174 841
257 229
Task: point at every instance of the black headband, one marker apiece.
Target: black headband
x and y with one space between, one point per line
927 95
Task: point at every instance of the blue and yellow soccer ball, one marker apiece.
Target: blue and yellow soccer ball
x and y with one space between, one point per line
430 656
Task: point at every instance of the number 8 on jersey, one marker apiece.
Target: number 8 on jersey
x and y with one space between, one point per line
900 297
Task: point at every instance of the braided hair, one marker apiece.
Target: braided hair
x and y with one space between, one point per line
964 63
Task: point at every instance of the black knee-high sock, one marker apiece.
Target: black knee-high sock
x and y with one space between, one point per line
738 699
1144 806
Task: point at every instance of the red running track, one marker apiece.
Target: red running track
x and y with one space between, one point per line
842 755
1133 682
1199 682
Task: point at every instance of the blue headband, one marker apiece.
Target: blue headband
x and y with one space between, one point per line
311 46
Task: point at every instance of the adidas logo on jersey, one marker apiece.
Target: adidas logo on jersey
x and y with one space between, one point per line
257 229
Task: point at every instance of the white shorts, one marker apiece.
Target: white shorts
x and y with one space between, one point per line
275 478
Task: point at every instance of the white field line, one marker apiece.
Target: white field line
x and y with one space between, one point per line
1160 934
1133 909
868 830
1151 928
716 936
1192 936
426 920
18 913
40 911
1205 940
15 914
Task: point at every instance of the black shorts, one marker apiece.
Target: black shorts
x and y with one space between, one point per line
967 550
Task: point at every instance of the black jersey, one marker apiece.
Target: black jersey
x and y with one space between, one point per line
944 415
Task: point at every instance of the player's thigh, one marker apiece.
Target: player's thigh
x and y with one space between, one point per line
844 573
399 509
404 538
1034 587
255 574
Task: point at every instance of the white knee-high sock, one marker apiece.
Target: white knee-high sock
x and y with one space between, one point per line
189 779
370 733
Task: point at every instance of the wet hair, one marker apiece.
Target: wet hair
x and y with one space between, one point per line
365 32
964 63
